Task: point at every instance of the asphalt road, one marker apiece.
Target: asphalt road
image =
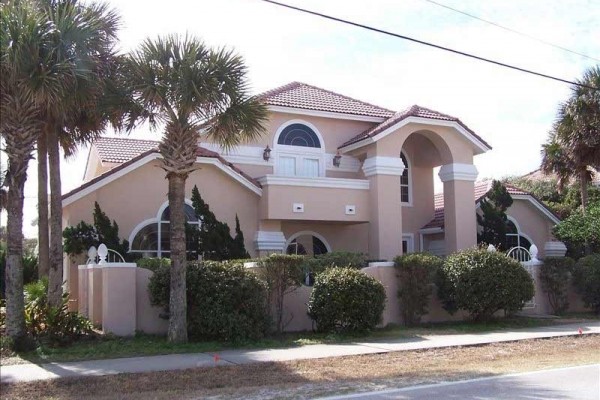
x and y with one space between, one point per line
581 383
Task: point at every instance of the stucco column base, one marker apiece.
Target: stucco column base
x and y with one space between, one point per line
94 290
460 223
119 299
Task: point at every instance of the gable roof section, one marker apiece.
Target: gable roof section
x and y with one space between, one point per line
416 112
481 189
120 148
308 97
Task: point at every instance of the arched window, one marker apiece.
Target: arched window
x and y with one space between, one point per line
152 238
299 135
405 181
307 243
299 151
514 238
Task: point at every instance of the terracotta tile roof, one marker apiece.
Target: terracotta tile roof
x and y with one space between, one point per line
301 95
414 111
116 150
120 150
481 189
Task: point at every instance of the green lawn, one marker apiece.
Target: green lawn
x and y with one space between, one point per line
104 347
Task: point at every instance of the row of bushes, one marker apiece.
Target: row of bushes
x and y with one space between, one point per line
475 280
226 301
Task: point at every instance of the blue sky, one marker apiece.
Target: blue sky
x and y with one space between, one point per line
510 110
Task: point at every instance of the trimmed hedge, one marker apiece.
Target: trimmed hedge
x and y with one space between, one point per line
225 301
152 263
554 276
346 300
482 283
415 273
586 278
321 262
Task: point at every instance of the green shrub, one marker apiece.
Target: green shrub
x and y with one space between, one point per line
152 263
283 274
415 273
52 325
321 262
482 283
554 276
225 301
346 300
30 267
586 278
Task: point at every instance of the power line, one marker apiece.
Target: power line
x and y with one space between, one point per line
512 30
462 53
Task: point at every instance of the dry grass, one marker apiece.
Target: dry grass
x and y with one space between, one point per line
309 378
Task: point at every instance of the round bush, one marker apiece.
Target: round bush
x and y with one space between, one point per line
415 274
346 300
482 283
225 301
586 278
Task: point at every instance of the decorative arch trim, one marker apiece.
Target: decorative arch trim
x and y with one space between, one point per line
286 124
311 233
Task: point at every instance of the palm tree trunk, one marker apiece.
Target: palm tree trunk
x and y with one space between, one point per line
55 276
15 306
43 235
583 180
178 300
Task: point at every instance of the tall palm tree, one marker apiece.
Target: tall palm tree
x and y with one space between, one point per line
22 35
578 128
42 223
189 87
82 51
555 160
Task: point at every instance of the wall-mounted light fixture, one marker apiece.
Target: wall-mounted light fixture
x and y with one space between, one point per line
337 159
267 153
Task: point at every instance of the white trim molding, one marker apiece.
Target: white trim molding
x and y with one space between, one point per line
270 241
380 165
458 172
331 183
235 175
478 145
325 114
410 242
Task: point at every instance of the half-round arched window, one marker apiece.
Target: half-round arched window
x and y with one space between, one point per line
299 135
515 238
153 238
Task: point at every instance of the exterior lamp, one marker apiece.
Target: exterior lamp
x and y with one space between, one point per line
337 159
267 153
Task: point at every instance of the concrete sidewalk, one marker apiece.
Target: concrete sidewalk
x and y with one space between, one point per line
33 372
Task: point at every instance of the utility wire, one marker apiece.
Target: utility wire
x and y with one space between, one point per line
513 30
370 28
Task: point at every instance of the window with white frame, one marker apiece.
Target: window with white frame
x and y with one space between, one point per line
153 238
299 152
405 181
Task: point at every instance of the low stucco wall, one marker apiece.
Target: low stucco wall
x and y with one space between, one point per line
147 316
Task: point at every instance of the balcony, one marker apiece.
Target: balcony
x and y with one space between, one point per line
314 199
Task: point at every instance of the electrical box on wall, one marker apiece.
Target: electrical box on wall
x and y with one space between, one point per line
350 210
298 208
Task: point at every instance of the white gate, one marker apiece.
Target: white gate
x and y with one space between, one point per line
527 258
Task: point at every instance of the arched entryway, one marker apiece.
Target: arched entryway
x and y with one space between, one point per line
307 243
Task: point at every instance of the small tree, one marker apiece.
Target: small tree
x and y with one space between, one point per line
554 275
415 273
586 278
493 220
214 241
283 274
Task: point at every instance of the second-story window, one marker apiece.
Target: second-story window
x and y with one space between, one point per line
299 152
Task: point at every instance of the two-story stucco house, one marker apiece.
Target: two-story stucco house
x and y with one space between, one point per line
331 173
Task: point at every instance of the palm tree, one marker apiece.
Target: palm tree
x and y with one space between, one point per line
22 35
42 223
189 87
555 160
576 133
81 52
